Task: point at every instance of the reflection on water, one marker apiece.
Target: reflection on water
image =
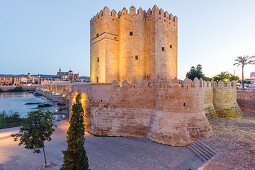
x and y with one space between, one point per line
15 102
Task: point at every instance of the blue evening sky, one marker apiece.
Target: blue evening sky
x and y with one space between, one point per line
41 36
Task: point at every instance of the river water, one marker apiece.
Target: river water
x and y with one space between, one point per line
15 102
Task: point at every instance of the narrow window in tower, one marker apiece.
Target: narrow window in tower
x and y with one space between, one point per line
97 80
171 46
97 59
97 35
136 57
163 48
131 33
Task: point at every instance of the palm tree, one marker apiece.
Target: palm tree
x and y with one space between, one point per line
245 60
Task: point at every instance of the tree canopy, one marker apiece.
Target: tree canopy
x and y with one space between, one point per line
36 129
242 61
245 60
196 72
225 76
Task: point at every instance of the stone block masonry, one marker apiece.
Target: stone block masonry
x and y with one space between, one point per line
165 112
246 101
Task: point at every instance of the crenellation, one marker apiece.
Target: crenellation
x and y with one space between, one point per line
196 82
106 11
233 83
171 17
149 12
228 84
132 10
166 15
113 13
175 19
201 82
140 11
161 12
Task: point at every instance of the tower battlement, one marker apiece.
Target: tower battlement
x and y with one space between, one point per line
154 12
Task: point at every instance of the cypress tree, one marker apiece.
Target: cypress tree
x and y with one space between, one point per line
75 156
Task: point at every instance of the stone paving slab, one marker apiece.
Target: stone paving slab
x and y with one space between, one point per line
106 153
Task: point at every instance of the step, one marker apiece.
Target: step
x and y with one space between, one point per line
202 151
207 147
197 154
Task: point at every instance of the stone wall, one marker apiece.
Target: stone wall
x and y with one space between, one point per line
208 99
120 111
162 111
246 101
224 100
178 118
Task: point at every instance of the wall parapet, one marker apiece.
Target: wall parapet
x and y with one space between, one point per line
154 12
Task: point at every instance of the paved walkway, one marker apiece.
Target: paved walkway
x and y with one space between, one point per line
234 141
106 153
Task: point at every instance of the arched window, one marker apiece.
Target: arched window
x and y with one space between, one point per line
97 59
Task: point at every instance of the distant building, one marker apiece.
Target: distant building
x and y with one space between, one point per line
252 75
67 76
38 79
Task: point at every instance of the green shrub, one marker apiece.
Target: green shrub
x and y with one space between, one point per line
10 120
17 89
44 105
30 103
37 94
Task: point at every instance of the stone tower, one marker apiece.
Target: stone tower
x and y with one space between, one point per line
134 45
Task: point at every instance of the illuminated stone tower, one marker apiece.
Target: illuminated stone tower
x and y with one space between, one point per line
134 45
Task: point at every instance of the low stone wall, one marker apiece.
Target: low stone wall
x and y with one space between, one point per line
246 101
25 88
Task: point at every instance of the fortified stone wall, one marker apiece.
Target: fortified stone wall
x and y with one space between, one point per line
135 45
177 117
162 111
224 100
121 111
246 101
207 91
